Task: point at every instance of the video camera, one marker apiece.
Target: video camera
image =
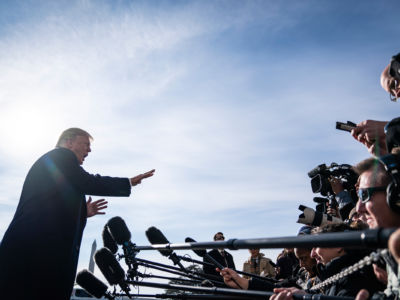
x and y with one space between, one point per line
320 178
320 183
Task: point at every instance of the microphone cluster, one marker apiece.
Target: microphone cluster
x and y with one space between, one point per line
115 233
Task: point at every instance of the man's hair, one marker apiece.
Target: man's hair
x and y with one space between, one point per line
70 134
331 228
215 235
380 176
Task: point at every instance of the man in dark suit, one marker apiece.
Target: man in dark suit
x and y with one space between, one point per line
221 256
39 251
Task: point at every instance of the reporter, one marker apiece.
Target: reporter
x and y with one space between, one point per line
372 133
342 197
389 83
332 261
258 264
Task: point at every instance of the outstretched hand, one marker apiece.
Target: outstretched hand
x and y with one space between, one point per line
138 179
96 207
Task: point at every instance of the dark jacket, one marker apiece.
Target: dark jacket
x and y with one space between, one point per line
287 265
351 284
39 251
347 286
226 261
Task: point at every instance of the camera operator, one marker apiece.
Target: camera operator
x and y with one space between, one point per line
343 198
337 183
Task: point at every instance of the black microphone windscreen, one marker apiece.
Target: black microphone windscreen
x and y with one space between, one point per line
108 240
109 266
155 236
119 231
199 252
91 283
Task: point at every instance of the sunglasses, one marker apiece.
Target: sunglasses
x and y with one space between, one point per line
365 194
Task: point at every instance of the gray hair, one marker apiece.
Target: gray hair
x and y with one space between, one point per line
70 134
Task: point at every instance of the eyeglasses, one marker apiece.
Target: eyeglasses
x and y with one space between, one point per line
393 86
365 194
219 238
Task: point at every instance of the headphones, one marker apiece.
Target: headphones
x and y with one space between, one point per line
394 69
391 162
392 131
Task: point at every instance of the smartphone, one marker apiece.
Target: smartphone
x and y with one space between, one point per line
349 126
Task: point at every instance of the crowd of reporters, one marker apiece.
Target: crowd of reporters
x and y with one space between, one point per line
364 196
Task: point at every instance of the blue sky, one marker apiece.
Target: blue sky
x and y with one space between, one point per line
232 102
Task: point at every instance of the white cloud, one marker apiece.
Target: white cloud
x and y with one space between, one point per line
232 128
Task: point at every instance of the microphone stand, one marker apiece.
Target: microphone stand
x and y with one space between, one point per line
130 251
234 292
191 296
370 238
188 259
168 278
166 268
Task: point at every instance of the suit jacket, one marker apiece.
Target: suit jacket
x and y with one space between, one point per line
264 267
226 261
39 251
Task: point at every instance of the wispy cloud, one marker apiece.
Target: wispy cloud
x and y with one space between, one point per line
232 102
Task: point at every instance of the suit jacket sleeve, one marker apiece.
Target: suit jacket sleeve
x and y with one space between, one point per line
89 184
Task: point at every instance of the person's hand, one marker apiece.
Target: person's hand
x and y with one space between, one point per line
380 274
96 207
286 293
372 135
233 280
362 295
332 211
336 185
138 179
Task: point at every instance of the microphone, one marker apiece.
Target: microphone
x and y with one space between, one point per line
121 235
118 230
92 284
111 269
108 240
155 236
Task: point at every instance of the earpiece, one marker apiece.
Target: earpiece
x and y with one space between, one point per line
391 162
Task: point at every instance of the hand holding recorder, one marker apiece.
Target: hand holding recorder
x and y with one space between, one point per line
370 133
